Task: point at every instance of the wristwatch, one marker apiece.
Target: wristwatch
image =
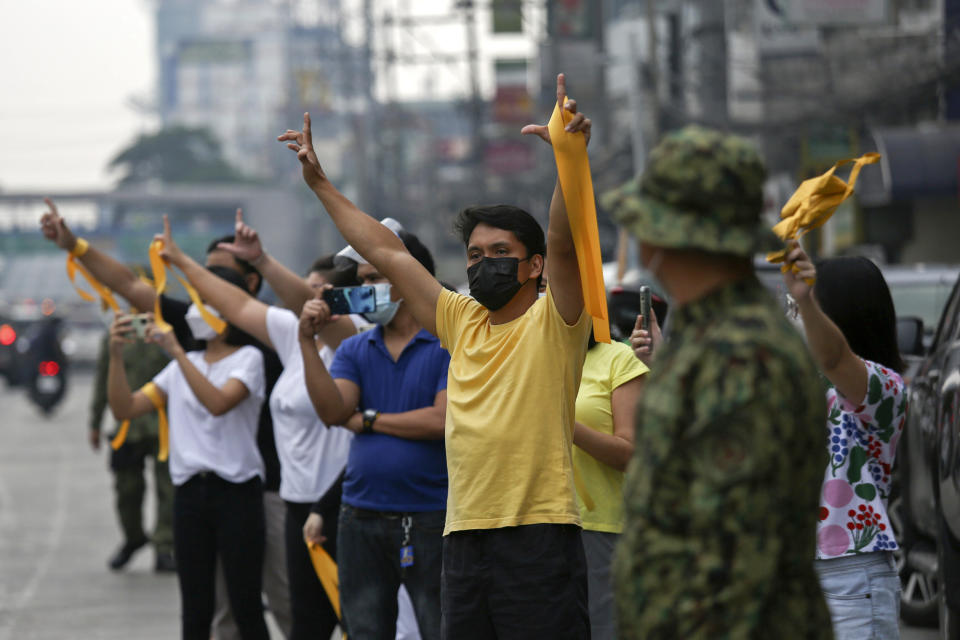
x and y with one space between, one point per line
369 416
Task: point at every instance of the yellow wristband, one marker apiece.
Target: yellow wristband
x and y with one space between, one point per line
80 248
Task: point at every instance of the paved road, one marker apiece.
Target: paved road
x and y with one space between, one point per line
57 529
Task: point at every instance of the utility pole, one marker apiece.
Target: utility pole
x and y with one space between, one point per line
370 181
711 62
473 68
652 76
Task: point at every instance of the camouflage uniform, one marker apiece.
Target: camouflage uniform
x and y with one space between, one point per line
722 492
143 361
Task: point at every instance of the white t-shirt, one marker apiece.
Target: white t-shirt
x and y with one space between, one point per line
200 441
312 455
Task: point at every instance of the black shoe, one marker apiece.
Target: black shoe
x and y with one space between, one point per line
120 559
165 562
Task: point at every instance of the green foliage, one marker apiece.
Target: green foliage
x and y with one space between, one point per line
175 154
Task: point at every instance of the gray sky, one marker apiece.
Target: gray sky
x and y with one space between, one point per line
67 70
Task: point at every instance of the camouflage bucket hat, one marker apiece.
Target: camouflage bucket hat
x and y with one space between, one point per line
702 189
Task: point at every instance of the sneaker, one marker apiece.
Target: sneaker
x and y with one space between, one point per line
165 562
120 559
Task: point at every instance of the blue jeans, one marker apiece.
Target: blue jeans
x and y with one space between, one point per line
863 595
368 559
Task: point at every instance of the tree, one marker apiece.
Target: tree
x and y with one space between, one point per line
175 154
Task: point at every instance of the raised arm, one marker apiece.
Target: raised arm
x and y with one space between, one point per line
333 400
375 242
236 305
246 245
829 348
563 271
115 275
124 404
217 400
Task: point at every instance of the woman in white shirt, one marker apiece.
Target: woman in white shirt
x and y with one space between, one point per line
213 400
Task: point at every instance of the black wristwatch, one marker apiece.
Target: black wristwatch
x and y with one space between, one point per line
369 416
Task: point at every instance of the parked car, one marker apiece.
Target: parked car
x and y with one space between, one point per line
928 508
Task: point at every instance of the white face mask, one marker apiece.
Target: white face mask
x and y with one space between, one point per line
198 326
386 308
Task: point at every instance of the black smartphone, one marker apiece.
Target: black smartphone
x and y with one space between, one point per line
645 307
345 300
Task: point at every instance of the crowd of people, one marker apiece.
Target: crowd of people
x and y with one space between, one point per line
479 466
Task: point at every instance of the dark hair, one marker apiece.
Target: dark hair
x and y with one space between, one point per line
503 216
235 336
340 272
245 266
854 295
418 251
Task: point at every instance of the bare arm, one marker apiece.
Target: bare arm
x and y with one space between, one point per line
563 271
426 423
124 404
376 243
334 401
238 307
115 275
614 450
826 342
217 400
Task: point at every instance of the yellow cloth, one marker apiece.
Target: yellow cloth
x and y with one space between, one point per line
153 393
573 171
510 406
326 570
606 367
74 266
159 267
814 202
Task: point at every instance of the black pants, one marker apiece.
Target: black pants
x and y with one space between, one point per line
211 518
313 615
515 582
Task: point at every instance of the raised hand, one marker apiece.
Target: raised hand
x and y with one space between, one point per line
302 143
246 243
166 339
170 251
800 273
579 122
314 316
55 229
121 334
646 343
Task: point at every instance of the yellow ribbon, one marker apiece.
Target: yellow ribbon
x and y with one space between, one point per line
326 570
73 266
163 427
573 170
159 267
814 202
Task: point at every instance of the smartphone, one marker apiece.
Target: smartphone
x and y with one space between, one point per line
645 307
139 322
345 300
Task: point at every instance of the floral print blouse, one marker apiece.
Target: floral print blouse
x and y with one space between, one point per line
862 441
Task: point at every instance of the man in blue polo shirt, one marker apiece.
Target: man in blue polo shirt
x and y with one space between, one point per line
387 385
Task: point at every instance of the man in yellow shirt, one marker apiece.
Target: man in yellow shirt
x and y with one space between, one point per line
513 561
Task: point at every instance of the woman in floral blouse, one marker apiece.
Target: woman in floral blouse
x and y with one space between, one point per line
850 327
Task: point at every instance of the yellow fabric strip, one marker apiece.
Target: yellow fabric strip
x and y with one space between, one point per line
106 296
814 201
150 390
326 570
573 170
159 267
80 248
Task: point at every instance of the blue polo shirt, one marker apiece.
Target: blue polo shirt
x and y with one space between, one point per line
384 472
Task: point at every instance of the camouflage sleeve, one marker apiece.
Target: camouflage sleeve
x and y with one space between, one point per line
703 540
98 402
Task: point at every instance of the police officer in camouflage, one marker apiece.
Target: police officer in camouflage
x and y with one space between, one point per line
722 492
143 361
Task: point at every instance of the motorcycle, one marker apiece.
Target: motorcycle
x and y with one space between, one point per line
44 365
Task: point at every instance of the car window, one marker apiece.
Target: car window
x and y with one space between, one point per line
924 300
950 321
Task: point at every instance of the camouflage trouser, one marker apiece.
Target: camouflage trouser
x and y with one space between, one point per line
128 465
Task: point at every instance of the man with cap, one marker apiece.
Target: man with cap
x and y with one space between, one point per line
720 492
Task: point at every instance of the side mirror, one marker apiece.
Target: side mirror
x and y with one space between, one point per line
910 335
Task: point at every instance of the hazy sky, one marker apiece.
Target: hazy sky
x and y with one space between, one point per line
67 71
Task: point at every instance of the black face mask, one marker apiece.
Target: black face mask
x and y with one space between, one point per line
493 281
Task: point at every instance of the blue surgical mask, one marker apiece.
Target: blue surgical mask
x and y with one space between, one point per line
386 308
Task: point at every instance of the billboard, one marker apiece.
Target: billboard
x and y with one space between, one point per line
831 12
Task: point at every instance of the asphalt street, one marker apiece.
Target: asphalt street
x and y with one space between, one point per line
57 529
